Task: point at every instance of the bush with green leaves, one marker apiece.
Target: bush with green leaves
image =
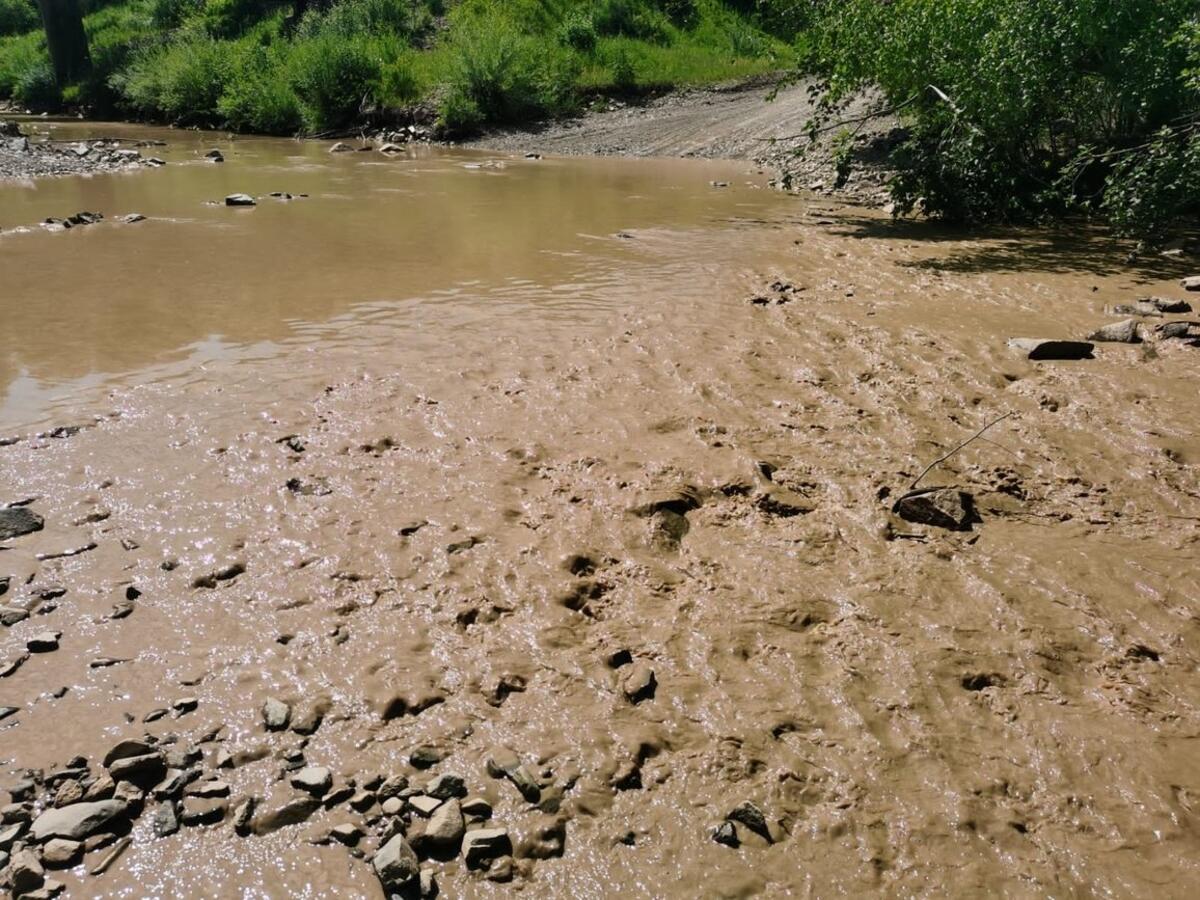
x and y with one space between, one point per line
258 97
1019 108
497 74
182 81
333 76
578 31
18 16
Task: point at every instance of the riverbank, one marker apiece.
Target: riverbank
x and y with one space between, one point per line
761 120
22 159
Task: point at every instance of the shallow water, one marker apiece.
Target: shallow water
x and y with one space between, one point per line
420 235
409 420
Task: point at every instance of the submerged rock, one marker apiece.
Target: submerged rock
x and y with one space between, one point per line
942 507
1038 348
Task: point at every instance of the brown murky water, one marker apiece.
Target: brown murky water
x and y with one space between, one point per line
427 415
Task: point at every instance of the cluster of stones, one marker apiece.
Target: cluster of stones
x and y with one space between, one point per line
28 158
57 818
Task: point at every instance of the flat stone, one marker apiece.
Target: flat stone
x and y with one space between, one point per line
240 200
76 821
276 714
947 508
392 806
341 147
392 787
1173 330
147 770
203 811
483 845
10 665
396 864
423 804
12 615
1166 305
207 789
16 521
1190 284
346 833
126 749
1041 349
315 779
361 801
1125 332
68 792
60 853
43 642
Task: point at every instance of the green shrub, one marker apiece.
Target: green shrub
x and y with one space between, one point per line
398 82
231 18
36 88
172 13
182 81
507 76
18 16
19 54
260 98
578 31
624 75
631 18
359 18
332 76
1023 107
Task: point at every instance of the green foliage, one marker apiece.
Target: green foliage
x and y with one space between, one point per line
499 75
259 96
182 81
1152 187
18 16
578 31
243 64
36 88
332 76
1005 97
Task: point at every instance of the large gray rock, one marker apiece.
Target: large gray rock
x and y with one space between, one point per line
1191 284
77 821
444 832
240 200
16 521
396 864
943 507
1039 348
1125 332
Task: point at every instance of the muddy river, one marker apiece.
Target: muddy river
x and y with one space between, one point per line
560 489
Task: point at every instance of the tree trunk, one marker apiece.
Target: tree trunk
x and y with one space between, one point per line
66 39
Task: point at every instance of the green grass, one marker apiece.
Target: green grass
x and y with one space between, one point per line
244 65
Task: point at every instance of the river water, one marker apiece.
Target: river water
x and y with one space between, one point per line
460 448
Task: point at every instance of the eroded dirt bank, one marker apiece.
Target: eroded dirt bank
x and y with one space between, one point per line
635 534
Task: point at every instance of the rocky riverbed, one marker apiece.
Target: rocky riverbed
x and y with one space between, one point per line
607 567
23 158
